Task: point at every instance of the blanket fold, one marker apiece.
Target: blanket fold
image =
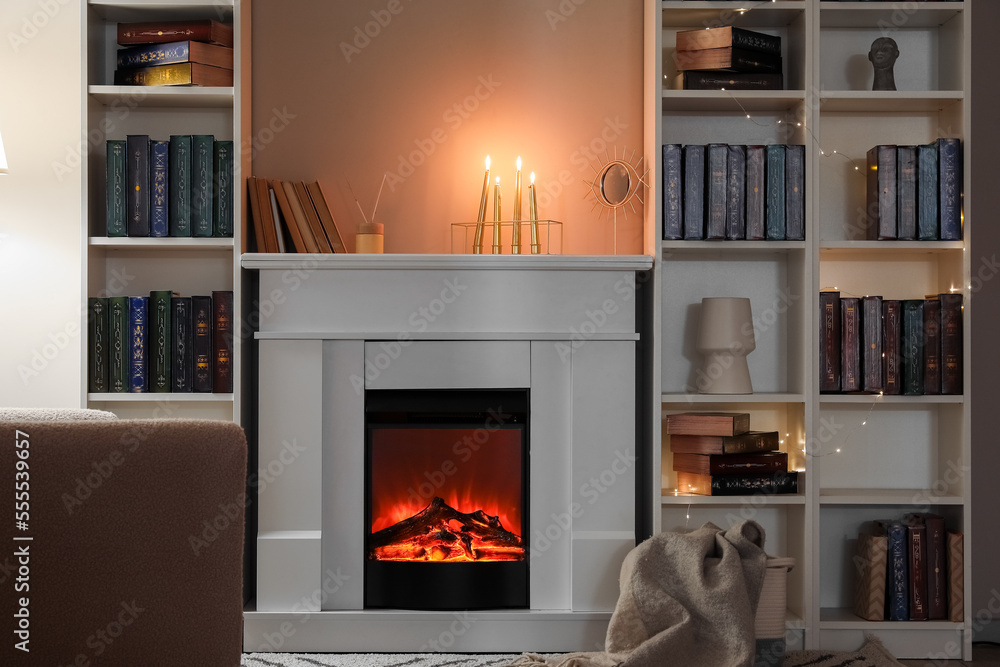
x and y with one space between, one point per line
685 599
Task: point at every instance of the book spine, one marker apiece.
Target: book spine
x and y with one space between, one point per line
734 485
951 344
118 329
756 41
744 60
956 577
932 346
179 185
736 222
950 193
755 178
154 54
906 193
729 424
750 463
222 342
116 206
892 322
775 201
795 192
927 192
829 341
897 576
181 340
159 341
223 192
159 153
718 191
202 183
700 80
912 347
137 177
881 193
765 441
138 309
850 344
201 311
98 347
937 568
672 193
917 536
158 32
872 343
694 191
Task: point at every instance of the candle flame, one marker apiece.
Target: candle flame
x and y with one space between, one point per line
498 180
519 163
532 178
487 161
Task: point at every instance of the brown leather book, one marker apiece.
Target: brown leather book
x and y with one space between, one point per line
326 217
892 327
222 342
708 423
932 346
731 464
161 32
751 441
312 218
829 341
850 344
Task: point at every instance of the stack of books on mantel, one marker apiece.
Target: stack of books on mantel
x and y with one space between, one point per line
175 53
728 57
716 454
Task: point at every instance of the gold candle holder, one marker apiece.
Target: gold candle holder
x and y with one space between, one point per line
477 243
496 218
536 248
515 243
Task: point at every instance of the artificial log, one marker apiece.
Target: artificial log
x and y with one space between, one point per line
440 532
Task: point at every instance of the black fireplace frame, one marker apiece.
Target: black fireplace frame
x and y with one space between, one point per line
447 586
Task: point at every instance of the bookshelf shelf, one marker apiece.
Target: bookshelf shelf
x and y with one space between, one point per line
668 498
149 397
163 96
850 445
160 243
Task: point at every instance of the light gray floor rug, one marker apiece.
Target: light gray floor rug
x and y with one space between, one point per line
377 659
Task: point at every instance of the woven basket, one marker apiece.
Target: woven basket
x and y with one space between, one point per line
770 620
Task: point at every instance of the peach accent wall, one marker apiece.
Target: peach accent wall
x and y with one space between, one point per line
423 90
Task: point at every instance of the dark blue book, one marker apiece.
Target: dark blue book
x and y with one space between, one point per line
897 577
138 348
927 192
736 213
755 192
201 344
673 216
912 347
950 174
182 342
694 191
159 154
795 192
222 193
179 185
717 194
116 207
202 184
137 180
906 193
774 202
881 194
146 55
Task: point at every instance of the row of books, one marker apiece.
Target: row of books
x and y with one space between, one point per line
728 57
160 343
915 192
292 216
911 346
177 187
910 569
175 53
716 454
734 192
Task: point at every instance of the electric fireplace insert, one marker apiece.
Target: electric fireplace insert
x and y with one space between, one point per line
446 499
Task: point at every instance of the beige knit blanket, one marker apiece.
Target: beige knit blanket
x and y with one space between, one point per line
686 599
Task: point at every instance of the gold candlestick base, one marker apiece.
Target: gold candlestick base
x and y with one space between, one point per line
544 238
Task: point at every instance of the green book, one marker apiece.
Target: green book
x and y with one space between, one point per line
158 338
180 185
115 220
97 345
118 331
222 195
912 346
774 201
202 183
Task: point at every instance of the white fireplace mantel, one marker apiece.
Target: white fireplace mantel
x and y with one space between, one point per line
332 327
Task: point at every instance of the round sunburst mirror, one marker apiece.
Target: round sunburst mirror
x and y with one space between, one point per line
617 185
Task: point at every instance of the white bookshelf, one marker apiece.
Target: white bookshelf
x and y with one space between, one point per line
135 266
896 454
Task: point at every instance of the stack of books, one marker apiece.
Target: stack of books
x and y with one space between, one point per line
175 53
716 454
915 192
910 347
728 57
909 569
160 343
177 187
291 216
734 192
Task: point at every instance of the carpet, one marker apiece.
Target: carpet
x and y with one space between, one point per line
872 654
377 659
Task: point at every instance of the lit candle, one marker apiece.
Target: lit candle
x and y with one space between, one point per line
533 215
496 217
515 243
477 243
